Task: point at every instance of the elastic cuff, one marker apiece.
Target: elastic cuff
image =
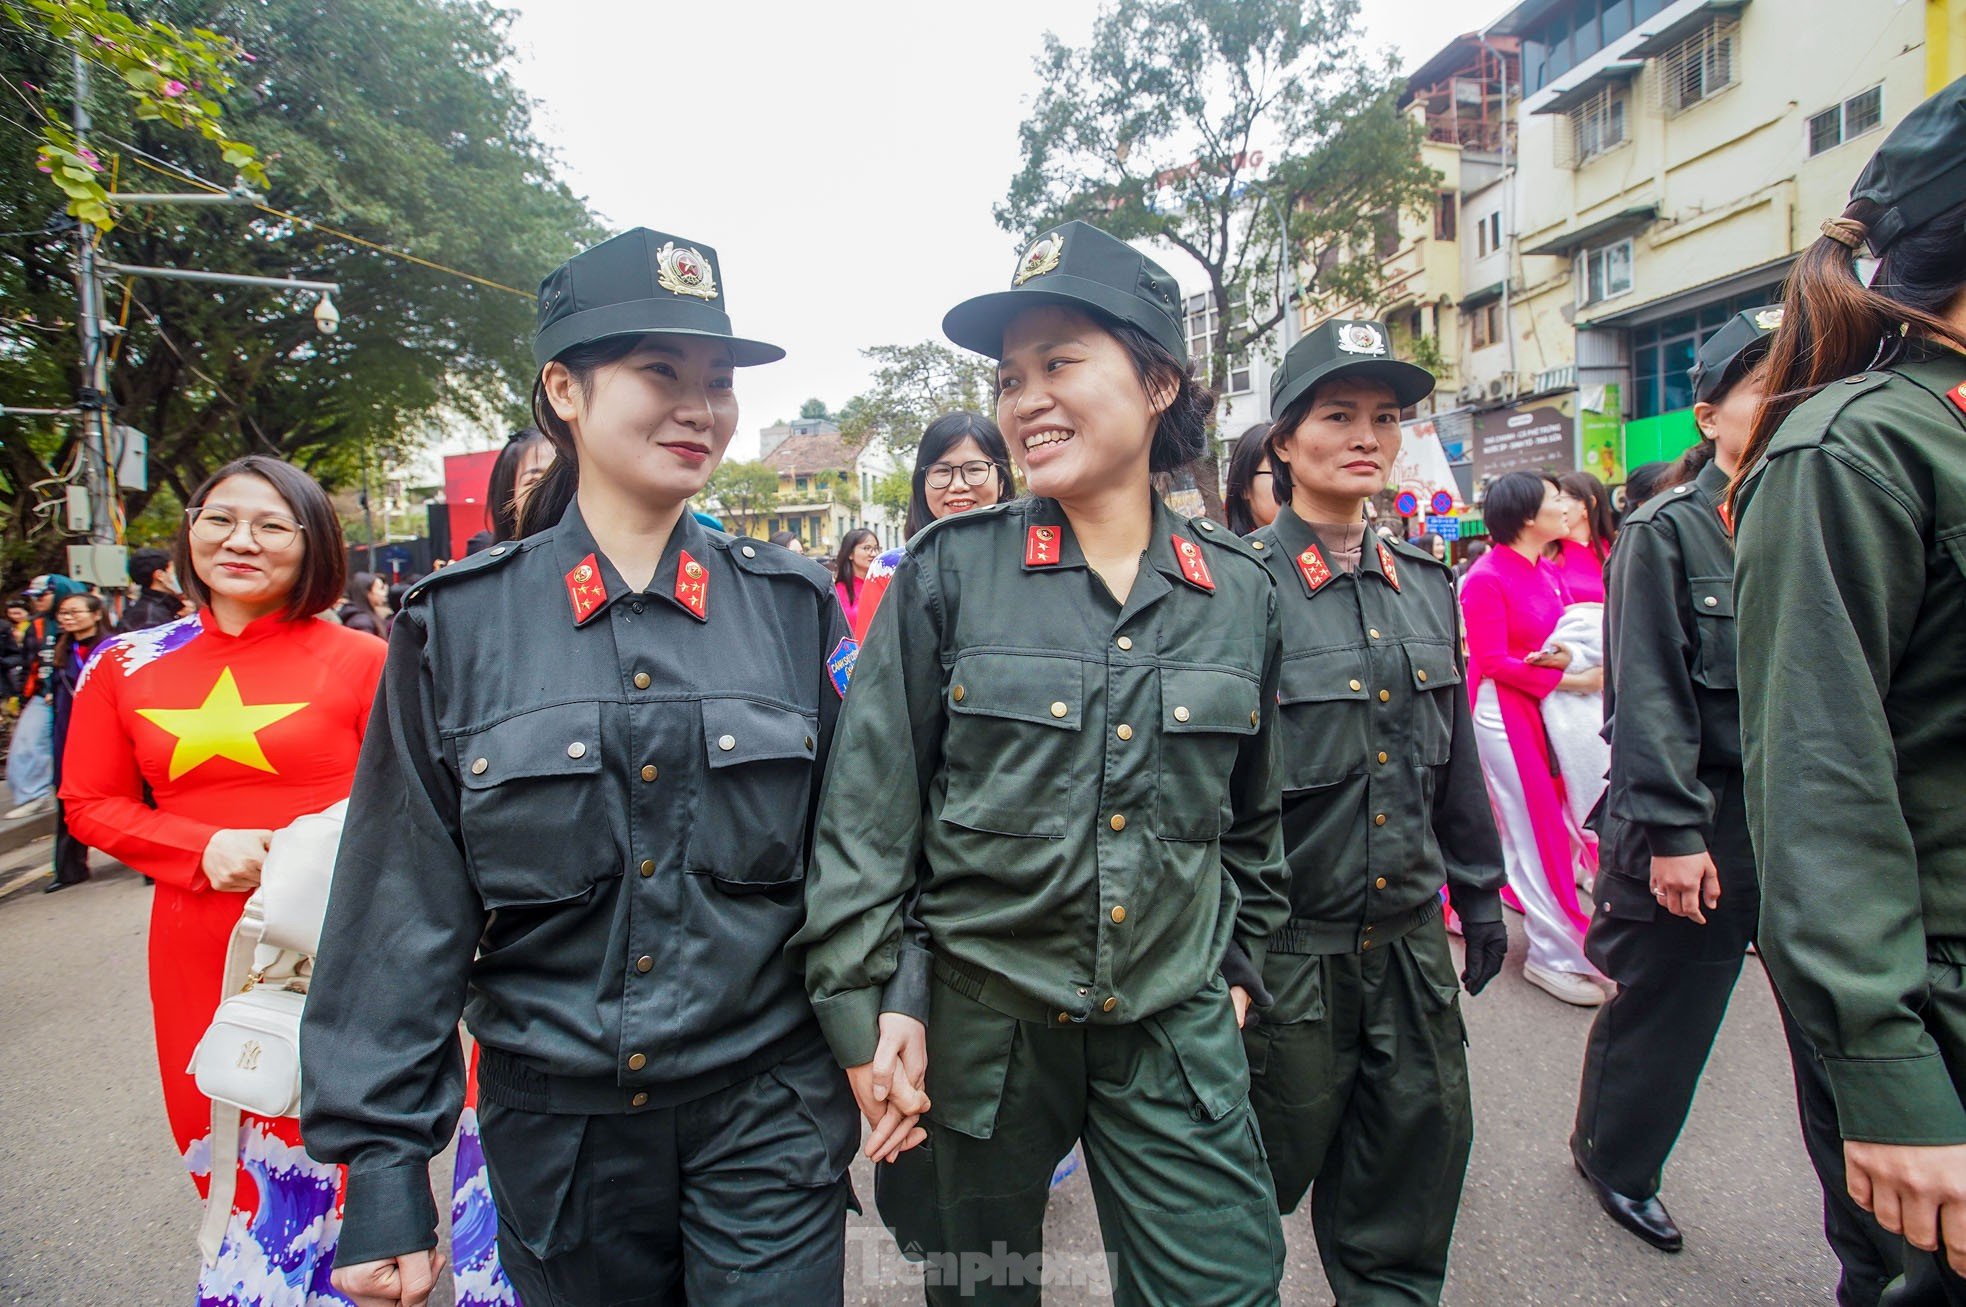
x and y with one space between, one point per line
906 991
1900 1100
1476 906
387 1212
1674 841
851 1021
1238 968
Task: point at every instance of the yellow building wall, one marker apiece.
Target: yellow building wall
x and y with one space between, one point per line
1945 43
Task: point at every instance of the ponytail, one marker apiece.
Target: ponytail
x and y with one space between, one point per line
549 499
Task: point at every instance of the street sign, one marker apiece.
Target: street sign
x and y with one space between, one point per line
1444 526
1408 503
1443 503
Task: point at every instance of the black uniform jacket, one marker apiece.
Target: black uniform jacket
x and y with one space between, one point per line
1382 792
1671 712
581 818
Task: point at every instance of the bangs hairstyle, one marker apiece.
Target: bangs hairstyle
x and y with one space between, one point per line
942 435
1513 502
323 553
1286 426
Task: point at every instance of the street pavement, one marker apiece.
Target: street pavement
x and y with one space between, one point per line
95 1208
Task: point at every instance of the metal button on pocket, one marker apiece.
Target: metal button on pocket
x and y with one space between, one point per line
639 1100
1109 1005
1712 602
1421 675
576 750
957 693
478 766
1379 819
750 552
1059 709
726 742
1356 685
1182 714
641 680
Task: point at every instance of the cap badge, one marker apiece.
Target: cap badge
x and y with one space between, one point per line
1768 319
1041 546
682 270
1193 566
1361 338
692 586
1314 569
585 590
1386 566
1041 258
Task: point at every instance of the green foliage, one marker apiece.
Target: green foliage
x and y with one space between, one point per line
166 75
814 408
914 385
1200 122
741 493
894 491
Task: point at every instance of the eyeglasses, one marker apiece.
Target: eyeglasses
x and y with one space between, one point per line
942 475
215 526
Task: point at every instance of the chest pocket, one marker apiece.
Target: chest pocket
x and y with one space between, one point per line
1015 742
1204 716
1713 623
532 806
1322 697
1436 680
748 831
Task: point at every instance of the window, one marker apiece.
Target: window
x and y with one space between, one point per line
1860 113
1446 214
1696 69
1488 234
1388 234
1662 352
1596 125
1494 231
1485 324
1481 239
1603 273
1203 320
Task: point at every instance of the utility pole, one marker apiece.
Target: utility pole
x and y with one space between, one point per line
93 398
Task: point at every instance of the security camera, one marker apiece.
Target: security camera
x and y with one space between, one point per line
326 316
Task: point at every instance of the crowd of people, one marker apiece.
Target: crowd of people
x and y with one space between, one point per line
1076 823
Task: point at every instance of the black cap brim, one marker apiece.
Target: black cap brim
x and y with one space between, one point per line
978 324
1713 382
643 318
1410 382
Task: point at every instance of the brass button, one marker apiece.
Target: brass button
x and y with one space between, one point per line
1712 602
1255 718
957 694
1119 915
1385 695
1368 930
478 766
1182 714
641 680
576 750
1384 758
648 867
1379 883
1366 945
1064 1018
1125 642
497 551
726 742
1356 685
636 1061
1206 526
1119 821
1058 708
1256 545
1374 633
808 741
1109 1005
648 771
645 964
1379 819
1124 731
749 552
1421 675
639 1100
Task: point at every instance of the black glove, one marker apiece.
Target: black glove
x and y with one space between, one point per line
1488 945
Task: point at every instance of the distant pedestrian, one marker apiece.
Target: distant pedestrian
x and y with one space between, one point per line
84 621
789 540
1645 481
520 466
1475 550
366 607
858 550
1249 499
1579 556
158 599
31 754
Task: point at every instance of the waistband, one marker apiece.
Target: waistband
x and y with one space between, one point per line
511 1081
1301 936
998 994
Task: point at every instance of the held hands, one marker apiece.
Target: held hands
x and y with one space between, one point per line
233 859
1487 948
1683 883
1917 1192
404 1281
889 1089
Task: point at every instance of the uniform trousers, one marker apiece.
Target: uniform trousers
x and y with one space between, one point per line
1650 1042
1359 1076
1928 1280
736 1198
1161 1106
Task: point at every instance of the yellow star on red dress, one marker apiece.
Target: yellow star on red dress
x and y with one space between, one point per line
224 726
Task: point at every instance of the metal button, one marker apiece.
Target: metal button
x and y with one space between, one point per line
1421 675
1385 695
1125 642
648 771
1256 545
1119 821
639 1100
1058 709
1379 819
648 867
576 750
478 766
1064 1018
645 964
1255 718
726 742
1374 633
1206 526
1109 1005
749 552
1083 991
957 694
1379 883
1712 602
636 1061
1356 685
641 680
637 605
497 550
1181 714
1366 945
1124 731
808 742
1119 915
1384 758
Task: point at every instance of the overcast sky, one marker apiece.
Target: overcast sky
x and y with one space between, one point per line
842 156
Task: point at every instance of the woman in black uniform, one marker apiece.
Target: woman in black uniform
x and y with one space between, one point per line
591 840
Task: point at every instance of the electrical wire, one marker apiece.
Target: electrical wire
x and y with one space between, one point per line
198 372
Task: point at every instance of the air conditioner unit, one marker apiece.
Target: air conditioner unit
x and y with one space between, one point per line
1468 394
1495 388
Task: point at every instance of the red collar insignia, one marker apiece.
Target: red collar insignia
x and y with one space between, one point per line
1958 396
1315 570
1041 546
692 586
1727 514
1193 566
586 589
1386 566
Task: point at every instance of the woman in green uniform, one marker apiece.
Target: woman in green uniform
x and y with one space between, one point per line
1851 591
1082 686
1358 1070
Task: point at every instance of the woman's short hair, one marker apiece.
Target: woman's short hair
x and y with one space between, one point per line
323 554
785 539
501 506
942 435
1244 463
1181 432
1513 501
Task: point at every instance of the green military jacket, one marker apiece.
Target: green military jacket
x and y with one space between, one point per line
1851 589
1382 792
1088 788
1669 656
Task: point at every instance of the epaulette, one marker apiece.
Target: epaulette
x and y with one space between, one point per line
1658 503
1811 419
761 558
1209 531
496 556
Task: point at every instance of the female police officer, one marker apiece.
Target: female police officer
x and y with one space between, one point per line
1851 590
1358 1070
594 755
1680 900
1082 685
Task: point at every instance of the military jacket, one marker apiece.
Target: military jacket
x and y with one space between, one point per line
1382 791
1088 788
1851 590
581 817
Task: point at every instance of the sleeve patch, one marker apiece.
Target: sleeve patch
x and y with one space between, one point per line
839 665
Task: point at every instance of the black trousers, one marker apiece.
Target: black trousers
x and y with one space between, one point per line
71 855
736 1198
1649 1044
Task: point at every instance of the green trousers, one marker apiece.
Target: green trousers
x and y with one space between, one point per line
1359 1077
1176 1166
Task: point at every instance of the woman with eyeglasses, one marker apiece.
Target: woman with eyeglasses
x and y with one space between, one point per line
1249 500
236 720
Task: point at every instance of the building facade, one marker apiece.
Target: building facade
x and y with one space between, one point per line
825 486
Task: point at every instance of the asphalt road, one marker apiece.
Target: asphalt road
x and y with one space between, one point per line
95 1209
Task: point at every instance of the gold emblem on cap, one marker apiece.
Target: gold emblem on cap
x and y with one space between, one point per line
1041 258
682 270
1768 319
583 574
1361 338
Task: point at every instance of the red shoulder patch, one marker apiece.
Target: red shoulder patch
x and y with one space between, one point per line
585 589
1386 565
1958 396
1316 571
1041 546
692 586
1193 566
